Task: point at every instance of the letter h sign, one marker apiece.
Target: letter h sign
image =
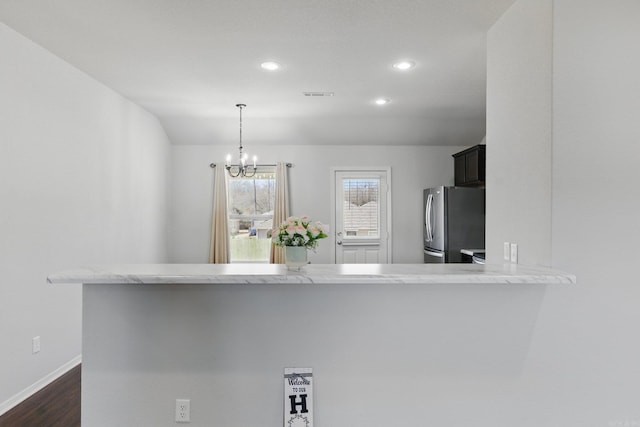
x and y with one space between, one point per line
302 403
298 397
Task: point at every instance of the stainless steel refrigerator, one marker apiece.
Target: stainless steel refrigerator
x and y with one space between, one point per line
453 220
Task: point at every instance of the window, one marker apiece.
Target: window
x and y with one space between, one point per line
250 209
361 214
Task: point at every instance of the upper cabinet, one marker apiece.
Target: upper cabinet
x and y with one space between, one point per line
470 167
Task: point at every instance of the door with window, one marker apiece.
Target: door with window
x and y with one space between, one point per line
362 216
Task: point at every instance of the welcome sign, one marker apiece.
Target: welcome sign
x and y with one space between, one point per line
298 397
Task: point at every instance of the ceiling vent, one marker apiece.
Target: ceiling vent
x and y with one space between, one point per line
318 93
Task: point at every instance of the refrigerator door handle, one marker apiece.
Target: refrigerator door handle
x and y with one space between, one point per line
427 218
435 254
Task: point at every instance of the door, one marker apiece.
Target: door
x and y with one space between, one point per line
362 216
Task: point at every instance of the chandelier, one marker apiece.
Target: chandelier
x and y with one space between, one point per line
241 168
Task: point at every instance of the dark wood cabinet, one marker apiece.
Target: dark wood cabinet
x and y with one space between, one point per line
469 167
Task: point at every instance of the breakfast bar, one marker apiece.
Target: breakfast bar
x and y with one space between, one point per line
374 335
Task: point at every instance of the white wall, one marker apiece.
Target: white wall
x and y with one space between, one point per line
519 121
82 181
412 169
383 355
596 205
582 365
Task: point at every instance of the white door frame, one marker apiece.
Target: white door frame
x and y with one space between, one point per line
387 171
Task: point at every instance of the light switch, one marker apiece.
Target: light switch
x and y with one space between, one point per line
514 253
506 251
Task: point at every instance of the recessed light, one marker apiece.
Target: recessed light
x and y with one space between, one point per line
404 65
382 101
271 66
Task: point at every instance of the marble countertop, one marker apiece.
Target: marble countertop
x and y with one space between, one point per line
471 252
319 274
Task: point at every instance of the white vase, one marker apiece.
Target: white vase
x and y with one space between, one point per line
295 257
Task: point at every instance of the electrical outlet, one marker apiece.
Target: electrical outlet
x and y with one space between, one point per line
183 410
506 251
514 253
35 345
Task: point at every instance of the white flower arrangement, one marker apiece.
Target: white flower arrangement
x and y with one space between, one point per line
299 232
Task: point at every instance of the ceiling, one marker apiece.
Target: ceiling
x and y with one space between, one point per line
190 61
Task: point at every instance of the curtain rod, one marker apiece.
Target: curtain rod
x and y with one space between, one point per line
213 165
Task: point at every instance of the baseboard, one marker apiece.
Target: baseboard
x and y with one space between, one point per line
39 385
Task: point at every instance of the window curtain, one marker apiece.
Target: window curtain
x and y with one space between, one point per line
219 252
281 211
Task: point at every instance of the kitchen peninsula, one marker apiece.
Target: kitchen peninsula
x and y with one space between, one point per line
221 336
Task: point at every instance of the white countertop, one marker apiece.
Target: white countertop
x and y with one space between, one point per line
320 274
471 252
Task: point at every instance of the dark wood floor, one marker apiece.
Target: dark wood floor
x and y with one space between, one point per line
56 405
